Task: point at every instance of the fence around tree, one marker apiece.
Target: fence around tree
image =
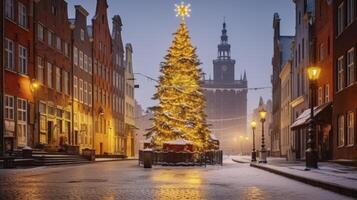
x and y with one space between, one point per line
184 158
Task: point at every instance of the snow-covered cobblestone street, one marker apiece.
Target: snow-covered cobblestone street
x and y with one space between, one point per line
125 180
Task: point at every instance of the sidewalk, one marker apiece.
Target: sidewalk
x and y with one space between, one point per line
331 176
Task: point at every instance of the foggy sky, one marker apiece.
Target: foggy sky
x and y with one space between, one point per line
149 24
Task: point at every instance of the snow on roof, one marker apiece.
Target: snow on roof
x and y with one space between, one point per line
178 142
305 116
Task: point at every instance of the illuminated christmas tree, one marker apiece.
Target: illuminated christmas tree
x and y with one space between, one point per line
180 113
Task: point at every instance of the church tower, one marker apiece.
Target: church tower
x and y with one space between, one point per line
223 66
226 98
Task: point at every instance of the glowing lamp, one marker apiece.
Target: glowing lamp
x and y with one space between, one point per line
253 124
262 113
313 72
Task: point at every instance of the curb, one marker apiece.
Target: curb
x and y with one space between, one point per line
100 161
351 192
239 161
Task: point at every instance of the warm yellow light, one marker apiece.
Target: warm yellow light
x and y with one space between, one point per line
253 124
34 84
246 138
262 113
313 72
182 10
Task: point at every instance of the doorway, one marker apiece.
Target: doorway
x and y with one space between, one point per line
49 131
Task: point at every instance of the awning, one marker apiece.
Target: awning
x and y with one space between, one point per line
322 114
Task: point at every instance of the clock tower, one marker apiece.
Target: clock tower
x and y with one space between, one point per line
226 98
223 66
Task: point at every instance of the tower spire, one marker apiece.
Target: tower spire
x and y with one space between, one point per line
224 49
245 76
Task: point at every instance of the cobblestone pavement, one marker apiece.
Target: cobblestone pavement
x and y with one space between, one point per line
125 180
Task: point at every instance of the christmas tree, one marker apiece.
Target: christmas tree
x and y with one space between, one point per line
180 113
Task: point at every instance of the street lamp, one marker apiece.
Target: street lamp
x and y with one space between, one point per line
34 86
263 152
253 124
313 73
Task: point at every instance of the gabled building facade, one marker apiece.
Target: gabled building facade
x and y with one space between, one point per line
282 56
118 85
129 102
103 70
82 81
52 59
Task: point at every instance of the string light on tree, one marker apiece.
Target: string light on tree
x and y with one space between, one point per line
180 112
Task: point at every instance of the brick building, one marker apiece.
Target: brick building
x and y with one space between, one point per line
53 72
68 78
81 133
323 50
118 86
18 70
344 75
103 70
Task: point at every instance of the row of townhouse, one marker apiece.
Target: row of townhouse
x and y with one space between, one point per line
325 36
63 80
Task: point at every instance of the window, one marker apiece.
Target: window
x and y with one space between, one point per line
85 92
40 70
22 15
82 34
340 71
327 93
22 59
319 102
350 128
66 53
9 107
341 130
49 75
53 8
80 59
9 55
75 87
65 82
81 90
89 94
21 122
351 4
75 55
323 51
40 32
350 67
340 18
58 43
90 65
9 9
49 38
58 79
85 65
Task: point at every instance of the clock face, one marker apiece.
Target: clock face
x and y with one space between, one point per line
224 68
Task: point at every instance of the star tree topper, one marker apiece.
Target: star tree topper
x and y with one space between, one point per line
182 10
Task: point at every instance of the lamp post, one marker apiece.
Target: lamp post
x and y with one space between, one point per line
263 152
34 86
253 124
313 73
